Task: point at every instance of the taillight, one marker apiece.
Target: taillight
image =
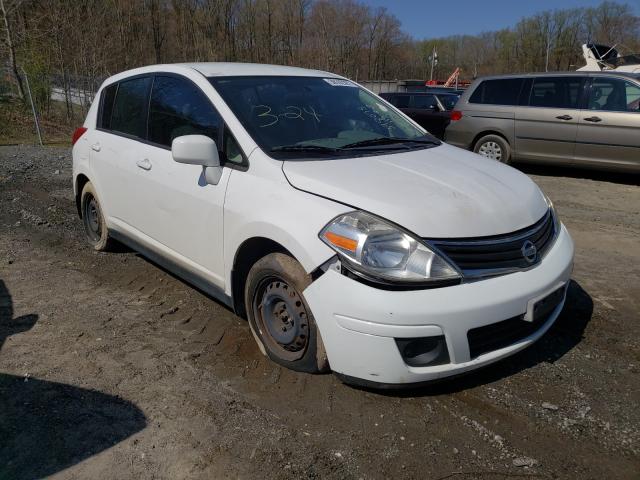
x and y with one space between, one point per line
77 134
456 115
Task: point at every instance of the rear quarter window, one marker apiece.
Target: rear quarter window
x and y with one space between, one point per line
108 96
504 91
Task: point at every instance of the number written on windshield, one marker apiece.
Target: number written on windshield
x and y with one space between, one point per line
292 112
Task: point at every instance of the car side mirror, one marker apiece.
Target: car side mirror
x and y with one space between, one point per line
198 150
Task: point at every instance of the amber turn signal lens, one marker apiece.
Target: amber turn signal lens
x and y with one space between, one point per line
339 241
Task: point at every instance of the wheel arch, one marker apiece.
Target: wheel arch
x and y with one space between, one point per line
80 181
247 254
490 132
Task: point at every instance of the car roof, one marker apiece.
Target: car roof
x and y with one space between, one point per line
635 76
224 69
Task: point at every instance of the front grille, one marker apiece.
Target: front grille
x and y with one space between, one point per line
499 254
499 335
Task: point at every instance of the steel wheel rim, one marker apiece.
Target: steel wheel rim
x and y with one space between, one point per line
92 219
282 318
491 150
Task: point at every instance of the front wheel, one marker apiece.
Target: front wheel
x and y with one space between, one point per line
279 317
494 147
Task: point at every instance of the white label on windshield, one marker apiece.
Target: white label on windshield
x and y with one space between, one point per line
336 82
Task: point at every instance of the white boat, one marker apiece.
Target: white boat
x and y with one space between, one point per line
604 58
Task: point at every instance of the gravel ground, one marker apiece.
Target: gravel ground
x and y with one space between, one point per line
111 367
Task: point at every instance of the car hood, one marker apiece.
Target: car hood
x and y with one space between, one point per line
440 192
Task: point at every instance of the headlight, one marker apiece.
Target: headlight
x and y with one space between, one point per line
378 250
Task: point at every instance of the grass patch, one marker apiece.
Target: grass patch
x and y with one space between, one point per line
17 126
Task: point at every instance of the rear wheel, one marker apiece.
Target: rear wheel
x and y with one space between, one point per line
280 319
494 147
95 227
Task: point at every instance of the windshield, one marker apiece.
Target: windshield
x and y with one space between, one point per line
293 117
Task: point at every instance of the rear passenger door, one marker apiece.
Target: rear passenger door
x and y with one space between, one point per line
115 148
547 124
609 128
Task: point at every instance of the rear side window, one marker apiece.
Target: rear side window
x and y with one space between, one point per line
504 91
556 92
423 101
400 101
108 96
129 114
178 107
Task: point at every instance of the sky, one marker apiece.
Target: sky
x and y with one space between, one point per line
440 18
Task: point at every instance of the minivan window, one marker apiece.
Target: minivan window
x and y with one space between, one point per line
129 114
322 116
556 92
423 101
614 95
108 96
178 107
503 91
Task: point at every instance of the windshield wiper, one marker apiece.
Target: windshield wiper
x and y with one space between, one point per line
389 141
305 148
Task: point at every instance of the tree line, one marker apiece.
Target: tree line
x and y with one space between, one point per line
75 44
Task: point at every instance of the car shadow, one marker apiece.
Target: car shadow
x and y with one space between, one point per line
564 334
626 178
46 427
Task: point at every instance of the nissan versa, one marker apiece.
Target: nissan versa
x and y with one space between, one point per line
350 238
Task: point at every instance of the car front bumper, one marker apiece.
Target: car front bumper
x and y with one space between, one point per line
359 323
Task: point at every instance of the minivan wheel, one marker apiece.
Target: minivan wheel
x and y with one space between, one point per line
279 317
493 147
95 227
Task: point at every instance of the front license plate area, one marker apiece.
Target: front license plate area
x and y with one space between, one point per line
542 308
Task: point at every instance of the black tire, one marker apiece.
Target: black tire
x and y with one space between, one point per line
494 147
279 317
95 227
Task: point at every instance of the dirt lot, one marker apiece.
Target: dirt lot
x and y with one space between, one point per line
112 368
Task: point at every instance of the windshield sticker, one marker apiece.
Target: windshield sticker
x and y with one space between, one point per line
336 82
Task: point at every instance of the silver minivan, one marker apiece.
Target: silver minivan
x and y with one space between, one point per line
590 119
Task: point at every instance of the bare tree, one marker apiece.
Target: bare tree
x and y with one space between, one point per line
10 43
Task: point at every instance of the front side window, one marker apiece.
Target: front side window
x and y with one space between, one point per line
614 95
322 116
424 101
503 91
556 92
129 115
178 107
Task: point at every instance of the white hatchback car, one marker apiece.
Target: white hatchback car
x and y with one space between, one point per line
350 238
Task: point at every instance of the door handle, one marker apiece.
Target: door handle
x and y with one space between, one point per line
564 117
144 164
593 119
95 147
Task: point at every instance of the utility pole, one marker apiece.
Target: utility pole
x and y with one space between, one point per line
33 107
434 60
